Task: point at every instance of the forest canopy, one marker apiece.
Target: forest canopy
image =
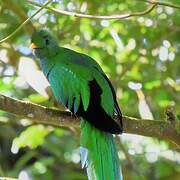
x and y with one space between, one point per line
137 44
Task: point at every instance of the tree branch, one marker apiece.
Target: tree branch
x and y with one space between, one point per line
43 115
162 3
17 9
88 16
25 22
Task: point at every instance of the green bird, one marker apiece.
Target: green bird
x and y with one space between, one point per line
79 83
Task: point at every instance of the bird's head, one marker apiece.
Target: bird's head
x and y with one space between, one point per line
43 43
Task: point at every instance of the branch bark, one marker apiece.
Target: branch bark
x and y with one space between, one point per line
43 115
89 16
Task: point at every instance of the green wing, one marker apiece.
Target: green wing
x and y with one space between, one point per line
69 87
70 77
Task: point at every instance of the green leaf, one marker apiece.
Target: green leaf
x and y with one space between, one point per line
152 84
32 137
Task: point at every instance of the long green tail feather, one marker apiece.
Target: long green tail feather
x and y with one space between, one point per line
99 154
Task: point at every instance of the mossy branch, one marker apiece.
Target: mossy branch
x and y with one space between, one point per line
39 114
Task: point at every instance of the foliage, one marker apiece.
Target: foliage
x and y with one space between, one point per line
139 55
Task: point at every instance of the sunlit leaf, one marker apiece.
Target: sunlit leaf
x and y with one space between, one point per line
32 137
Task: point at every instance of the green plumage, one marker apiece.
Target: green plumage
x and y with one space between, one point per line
103 162
70 75
77 81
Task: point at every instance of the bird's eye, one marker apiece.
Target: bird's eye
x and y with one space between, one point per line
47 41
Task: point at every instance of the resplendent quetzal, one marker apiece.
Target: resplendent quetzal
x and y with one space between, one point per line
79 83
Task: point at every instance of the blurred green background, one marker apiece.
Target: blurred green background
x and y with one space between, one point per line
140 55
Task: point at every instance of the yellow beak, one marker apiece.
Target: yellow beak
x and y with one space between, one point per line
33 46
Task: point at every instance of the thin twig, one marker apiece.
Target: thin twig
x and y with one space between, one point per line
25 22
162 3
88 16
17 9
